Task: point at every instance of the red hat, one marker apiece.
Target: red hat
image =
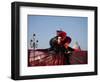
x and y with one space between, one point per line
62 34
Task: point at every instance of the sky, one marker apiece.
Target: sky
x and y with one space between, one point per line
45 28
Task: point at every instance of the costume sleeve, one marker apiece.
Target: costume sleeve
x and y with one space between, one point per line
70 49
53 42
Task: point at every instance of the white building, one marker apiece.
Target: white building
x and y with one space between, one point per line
76 46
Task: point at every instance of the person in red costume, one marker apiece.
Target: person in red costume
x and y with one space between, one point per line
59 41
60 44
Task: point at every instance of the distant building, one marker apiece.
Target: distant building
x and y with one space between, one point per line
77 46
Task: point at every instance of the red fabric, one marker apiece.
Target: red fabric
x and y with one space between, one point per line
44 58
77 50
62 34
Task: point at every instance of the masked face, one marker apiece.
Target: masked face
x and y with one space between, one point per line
59 40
